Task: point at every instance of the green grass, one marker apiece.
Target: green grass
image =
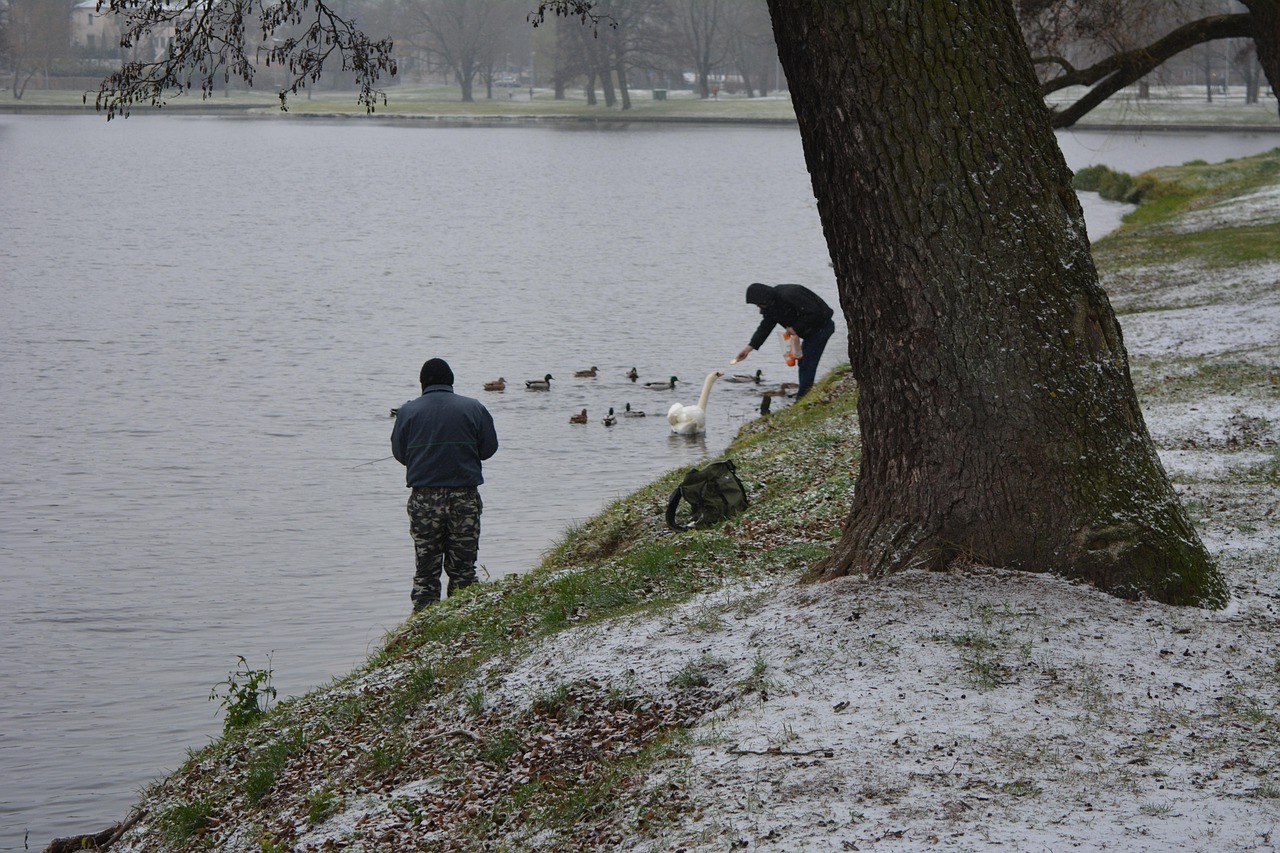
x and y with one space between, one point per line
265 764
1221 248
1195 378
181 821
321 805
1170 191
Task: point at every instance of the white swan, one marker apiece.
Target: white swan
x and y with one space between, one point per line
691 420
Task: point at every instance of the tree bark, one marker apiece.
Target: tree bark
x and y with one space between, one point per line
999 422
1266 38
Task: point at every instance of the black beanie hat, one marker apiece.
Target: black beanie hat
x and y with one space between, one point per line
759 294
436 372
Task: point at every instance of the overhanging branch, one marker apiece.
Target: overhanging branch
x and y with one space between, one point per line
209 41
1123 69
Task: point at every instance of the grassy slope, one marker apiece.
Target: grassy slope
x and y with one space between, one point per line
421 727
366 732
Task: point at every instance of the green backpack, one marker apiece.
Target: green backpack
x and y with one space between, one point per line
714 493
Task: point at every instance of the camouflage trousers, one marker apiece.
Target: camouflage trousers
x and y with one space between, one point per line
445 526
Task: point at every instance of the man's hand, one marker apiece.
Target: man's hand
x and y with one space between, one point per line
746 351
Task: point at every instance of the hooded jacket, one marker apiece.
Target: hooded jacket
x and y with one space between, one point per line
787 305
441 438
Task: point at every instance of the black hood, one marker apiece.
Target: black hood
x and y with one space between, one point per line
759 294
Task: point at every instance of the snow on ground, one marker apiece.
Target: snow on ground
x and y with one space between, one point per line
968 710
1258 208
1216 329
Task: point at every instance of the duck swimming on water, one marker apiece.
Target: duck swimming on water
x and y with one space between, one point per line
662 386
579 419
498 384
742 377
543 384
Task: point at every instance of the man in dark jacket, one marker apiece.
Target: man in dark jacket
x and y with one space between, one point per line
800 311
441 438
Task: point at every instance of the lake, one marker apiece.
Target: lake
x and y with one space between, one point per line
206 322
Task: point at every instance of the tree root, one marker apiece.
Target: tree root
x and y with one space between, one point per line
96 841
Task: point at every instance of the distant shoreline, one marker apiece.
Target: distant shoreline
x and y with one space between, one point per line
260 111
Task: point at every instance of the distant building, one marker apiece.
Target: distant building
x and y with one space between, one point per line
97 33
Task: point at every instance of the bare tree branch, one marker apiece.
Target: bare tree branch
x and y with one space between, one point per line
209 42
1122 69
583 10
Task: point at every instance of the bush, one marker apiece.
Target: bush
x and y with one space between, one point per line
1121 186
247 696
1089 178
1117 186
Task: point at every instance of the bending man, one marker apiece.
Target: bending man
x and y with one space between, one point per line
441 438
802 312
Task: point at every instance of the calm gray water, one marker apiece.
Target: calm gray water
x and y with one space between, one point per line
206 321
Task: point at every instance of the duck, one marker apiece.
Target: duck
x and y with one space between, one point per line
662 386
609 419
629 412
395 412
543 384
588 374
499 384
579 419
784 389
742 377
692 420
632 374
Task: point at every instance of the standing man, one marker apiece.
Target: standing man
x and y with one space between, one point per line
441 438
800 311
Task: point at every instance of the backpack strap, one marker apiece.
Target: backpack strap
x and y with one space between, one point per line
673 503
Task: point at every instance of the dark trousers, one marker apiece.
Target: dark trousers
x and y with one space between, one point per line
812 348
445 526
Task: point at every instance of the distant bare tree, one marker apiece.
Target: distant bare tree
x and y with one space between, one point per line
622 40
749 42
633 27
699 37
36 34
568 60
591 52
4 36
466 36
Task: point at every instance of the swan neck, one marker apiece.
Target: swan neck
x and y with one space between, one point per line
706 390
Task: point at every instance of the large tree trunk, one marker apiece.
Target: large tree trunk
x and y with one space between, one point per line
1266 38
998 419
